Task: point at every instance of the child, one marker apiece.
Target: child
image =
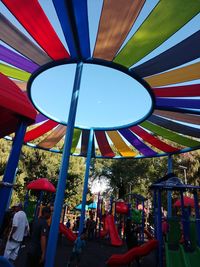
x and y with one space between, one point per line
79 244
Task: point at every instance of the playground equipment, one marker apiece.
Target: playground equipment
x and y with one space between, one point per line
67 232
112 230
40 185
179 251
132 254
165 120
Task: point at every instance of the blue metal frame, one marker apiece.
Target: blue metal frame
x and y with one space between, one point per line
159 231
53 235
169 193
185 219
196 206
10 171
94 62
85 188
143 223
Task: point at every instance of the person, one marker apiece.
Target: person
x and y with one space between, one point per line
38 242
131 235
5 229
91 228
68 224
20 228
79 244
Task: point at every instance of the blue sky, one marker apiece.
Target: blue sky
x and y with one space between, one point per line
107 97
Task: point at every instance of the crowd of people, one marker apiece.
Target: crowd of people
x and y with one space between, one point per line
14 231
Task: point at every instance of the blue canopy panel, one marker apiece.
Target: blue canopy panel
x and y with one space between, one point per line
73 16
174 126
64 18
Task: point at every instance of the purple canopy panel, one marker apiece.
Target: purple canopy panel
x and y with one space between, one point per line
16 60
133 140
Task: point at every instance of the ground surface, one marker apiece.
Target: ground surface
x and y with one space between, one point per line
95 254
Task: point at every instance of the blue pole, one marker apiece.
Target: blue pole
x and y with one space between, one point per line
9 174
53 234
85 188
196 206
159 231
142 221
169 192
111 205
184 219
155 209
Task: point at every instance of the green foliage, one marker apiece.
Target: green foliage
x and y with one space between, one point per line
35 163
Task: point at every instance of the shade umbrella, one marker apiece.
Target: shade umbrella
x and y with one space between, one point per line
41 184
79 207
188 202
93 205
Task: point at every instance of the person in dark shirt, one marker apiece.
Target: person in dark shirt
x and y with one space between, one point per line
37 247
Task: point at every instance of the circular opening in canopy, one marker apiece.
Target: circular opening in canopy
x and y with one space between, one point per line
108 98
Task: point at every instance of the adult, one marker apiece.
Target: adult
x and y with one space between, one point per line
39 237
20 228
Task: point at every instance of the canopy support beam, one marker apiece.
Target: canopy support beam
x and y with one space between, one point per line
11 167
85 188
53 234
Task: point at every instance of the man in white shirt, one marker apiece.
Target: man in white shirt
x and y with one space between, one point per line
20 227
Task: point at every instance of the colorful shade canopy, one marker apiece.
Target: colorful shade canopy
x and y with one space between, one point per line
124 36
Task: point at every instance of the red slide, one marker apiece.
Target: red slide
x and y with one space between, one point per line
114 237
67 232
128 257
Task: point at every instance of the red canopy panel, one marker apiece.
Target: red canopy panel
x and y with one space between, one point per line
40 130
14 100
32 17
103 144
178 91
41 184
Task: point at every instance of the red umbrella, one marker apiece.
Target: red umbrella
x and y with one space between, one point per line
42 184
188 201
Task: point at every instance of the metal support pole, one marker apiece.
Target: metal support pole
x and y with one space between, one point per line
9 174
169 192
184 219
155 209
159 231
85 188
196 206
53 234
142 221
